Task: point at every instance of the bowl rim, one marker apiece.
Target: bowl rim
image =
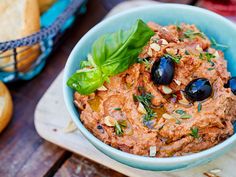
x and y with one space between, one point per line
110 149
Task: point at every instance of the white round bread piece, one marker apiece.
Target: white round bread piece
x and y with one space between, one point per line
19 18
6 106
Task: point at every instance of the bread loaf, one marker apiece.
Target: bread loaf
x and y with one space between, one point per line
18 18
6 106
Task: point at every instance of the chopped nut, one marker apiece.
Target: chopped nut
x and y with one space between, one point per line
149 52
166 90
153 151
71 127
177 82
141 109
172 51
155 39
208 174
183 100
78 105
216 54
102 88
163 42
165 29
109 121
155 47
216 170
167 116
198 48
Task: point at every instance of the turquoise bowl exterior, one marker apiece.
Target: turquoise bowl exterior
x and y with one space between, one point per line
210 23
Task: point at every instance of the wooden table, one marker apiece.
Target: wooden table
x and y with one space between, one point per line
22 151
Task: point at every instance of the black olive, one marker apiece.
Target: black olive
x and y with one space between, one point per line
232 84
198 89
163 71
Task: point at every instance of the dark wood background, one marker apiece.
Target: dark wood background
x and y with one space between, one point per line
22 151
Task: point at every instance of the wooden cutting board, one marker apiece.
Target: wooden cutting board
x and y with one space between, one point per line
52 118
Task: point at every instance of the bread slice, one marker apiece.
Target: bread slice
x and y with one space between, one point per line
18 18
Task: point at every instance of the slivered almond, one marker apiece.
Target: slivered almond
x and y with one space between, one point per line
163 42
216 54
109 121
172 51
198 48
102 88
208 174
155 47
78 105
71 127
149 52
152 151
184 101
177 82
216 170
166 90
141 109
167 116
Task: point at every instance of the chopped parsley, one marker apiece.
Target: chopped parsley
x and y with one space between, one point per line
145 100
199 107
210 69
119 126
217 45
178 27
186 52
177 121
207 56
174 95
194 132
175 58
192 34
180 111
117 109
212 63
145 62
185 116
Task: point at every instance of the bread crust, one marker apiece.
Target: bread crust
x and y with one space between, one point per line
19 18
6 106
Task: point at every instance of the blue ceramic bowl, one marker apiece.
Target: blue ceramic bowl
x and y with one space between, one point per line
210 23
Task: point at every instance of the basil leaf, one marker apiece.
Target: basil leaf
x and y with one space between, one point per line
114 53
111 55
86 81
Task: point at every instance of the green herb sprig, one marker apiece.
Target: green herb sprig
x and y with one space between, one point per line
111 54
192 34
119 127
145 62
175 58
145 100
117 109
199 107
194 132
206 56
180 111
185 116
